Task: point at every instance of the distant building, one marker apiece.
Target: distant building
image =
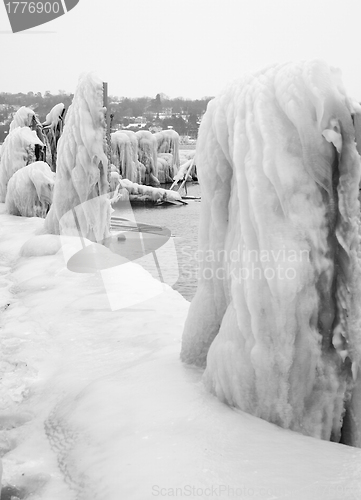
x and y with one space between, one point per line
141 121
154 129
166 113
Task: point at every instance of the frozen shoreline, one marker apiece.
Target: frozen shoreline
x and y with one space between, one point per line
96 404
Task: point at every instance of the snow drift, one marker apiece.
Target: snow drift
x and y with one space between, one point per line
17 151
82 166
30 190
88 392
277 315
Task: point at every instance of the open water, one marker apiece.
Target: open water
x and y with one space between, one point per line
183 222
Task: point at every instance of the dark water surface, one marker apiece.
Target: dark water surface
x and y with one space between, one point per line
183 222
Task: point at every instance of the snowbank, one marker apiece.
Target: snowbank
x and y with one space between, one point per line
277 314
95 404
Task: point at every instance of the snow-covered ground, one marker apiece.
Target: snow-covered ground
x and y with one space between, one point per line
95 404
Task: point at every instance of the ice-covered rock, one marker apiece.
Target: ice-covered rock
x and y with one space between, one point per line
82 166
277 314
17 151
30 190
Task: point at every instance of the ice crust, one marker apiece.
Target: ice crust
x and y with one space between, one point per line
276 318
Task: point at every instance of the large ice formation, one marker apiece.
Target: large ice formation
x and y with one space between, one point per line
17 151
147 155
165 167
82 166
24 117
168 142
53 128
185 156
277 315
30 190
187 169
134 146
54 116
123 155
137 191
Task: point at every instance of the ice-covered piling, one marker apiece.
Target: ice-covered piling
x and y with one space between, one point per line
276 318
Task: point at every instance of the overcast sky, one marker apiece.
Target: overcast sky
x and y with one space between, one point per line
188 48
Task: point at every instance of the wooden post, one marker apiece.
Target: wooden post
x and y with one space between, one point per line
107 118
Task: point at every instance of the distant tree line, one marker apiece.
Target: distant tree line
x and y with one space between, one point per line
41 104
182 114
